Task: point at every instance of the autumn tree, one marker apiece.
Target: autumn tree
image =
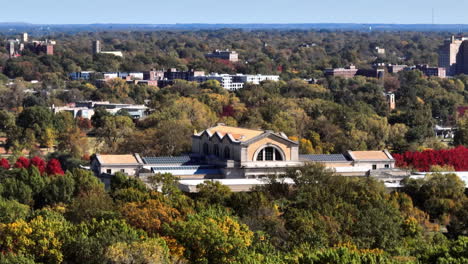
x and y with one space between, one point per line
212 237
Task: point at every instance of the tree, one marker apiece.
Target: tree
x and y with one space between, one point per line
40 237
73 141
311 214
91 204
4 164
39 164
212 237
213 192
344 254
60 189
12 211
149 215
22 162
438 194
461 134
153 250
114 130
89 241
54 167
36 118
11 258
98 118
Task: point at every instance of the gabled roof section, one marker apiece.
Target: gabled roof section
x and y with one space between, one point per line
237 133
241 135
268 133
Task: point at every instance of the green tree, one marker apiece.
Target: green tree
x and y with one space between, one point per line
153 250
114 130
212 237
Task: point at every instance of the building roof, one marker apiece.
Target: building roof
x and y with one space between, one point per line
241 135
166 160
117 159
188 170
323 158
370 155
238 133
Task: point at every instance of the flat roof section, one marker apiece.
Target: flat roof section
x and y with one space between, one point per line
323 158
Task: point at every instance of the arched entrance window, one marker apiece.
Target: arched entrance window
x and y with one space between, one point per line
206 149
227 153
216 150
269 154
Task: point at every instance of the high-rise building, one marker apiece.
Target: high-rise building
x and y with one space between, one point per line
25 37
96 46
224 55
11 49
449 55
461 67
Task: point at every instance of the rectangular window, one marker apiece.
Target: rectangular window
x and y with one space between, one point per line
374 167
109 171
122 170
268 153
387 166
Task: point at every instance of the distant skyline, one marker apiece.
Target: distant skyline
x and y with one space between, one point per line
239 11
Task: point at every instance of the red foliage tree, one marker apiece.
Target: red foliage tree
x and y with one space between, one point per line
22 162
228 110
423 161
39 163
4 163
53 167
84 123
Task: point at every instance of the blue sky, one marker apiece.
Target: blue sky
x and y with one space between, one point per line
235 11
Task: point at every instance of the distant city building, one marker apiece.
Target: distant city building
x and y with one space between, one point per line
396 68
85 109
98 50
444 132
42 46
153 75
234 82
432 71
351 71
425 69
16 47
83 75
452 58
373 73
96 47
307 45
174 74
348 72
390 98
380 51
164 78
224 55
11 49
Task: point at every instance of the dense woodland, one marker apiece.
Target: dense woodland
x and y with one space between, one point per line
55 212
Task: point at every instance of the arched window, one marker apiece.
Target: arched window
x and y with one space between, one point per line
269 154
227 153
216 150
206 149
